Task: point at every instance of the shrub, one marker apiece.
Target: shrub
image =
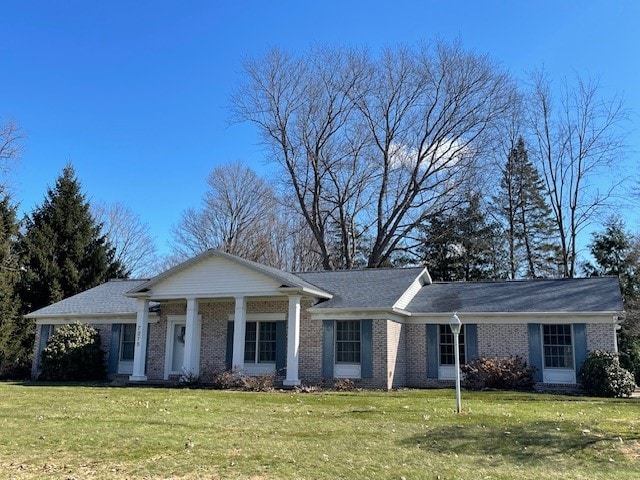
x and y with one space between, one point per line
630 358
236 380
225 380
258 383
344 385
73 353
504 374
602 376
189 379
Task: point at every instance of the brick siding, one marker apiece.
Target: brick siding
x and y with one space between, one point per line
503 341
600 337
396 355
416 353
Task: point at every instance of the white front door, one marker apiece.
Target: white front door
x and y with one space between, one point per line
174 360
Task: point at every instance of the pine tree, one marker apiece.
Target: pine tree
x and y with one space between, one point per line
463 244
617 252
526 216
64 251
11 362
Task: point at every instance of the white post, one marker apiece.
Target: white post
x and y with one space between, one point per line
456 324
140 347
191 365
239 325
293 342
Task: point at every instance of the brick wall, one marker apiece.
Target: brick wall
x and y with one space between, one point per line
503 340
600 337
416 355
396 355
310 363
213 346
310 366
380 355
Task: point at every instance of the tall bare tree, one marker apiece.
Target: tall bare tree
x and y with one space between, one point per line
241 215
373 145
135 248
11 145
576 141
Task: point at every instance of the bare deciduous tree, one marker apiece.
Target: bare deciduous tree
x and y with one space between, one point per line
240 215
576 142
131 237
373 145
11 138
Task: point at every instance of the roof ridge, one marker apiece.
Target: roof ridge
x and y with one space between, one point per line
364 269
521 280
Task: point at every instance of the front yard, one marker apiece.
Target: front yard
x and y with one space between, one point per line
76 432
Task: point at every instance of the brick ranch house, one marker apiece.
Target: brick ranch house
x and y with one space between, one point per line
385 328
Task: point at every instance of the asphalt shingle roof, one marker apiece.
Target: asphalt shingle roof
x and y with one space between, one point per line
596 294
108 298
381 288
369 288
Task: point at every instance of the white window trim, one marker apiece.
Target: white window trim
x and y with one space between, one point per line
264 368
565 376
448 372
257 343
125 367
346 370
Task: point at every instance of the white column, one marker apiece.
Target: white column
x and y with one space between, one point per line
239 326
140 348
191 363
293 342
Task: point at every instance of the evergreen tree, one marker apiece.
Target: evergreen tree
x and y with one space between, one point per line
63 252
463 244
12 364
63 248
526 215
616 252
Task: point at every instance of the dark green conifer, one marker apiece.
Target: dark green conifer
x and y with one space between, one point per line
526 216
64 250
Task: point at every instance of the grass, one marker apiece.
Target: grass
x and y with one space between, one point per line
73 432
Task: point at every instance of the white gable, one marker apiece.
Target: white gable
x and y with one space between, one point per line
214 277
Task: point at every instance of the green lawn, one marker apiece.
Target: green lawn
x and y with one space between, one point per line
75 432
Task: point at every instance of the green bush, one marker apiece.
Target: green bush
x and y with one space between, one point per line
503 374
630 357
602 376
73 354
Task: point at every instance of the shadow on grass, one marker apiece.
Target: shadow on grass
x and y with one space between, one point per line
43 383
532 443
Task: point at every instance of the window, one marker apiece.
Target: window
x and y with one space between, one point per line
260 342
558 346
447 348
127 341
348 341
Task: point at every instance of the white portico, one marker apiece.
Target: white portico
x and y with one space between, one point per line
218 277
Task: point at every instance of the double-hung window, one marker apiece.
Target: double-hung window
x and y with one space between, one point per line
447 348
558 346
348 341
260 342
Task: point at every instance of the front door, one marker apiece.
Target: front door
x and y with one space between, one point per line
175 347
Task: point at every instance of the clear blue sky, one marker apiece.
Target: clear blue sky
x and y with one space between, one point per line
135 93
